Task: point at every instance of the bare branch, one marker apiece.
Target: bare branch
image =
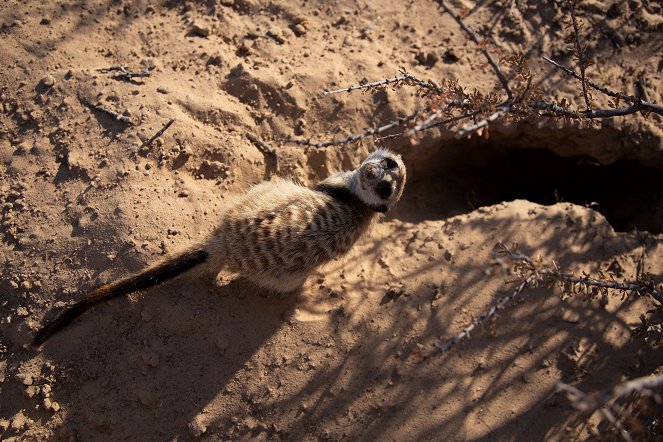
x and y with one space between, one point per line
401 78
367 85
484 50
433 121
590 113
646 105
468 129
121 67
126 76
589 403
264 149
585 404
638 384
356 137
100 108
158 134
528 267
581 56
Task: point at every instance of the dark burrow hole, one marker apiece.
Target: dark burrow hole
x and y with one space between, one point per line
459 178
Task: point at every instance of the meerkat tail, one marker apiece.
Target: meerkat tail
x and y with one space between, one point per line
144 279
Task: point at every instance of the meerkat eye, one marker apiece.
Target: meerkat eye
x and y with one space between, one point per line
390 163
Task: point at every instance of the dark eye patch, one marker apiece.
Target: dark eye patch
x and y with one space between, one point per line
391 164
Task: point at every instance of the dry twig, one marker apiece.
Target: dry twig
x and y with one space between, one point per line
126 76
100 108
264 149
579 52
356 137
120 67
524 267
589 403
403 78
643 105
158 134
472 128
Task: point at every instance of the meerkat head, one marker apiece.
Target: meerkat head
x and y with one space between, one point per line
380 180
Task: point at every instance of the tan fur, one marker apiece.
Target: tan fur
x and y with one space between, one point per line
278 232
275 234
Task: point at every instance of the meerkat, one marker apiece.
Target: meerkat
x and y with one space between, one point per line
275 235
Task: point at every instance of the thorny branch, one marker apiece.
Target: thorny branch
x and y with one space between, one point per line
589 403
472 128
265 150
524 267
532 274
579 53
357 137
449 103
645 105
404 78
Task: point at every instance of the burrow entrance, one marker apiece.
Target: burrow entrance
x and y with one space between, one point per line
459 178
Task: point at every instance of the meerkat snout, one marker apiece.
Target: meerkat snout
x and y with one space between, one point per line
373 172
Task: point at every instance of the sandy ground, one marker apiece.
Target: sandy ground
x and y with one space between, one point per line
82 204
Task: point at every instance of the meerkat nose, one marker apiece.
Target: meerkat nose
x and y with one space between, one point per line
383 189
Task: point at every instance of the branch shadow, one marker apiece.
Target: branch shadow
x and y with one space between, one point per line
381 387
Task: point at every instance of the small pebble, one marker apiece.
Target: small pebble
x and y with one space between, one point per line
200 29
47 81
31 391
299 29
276 34
24 379
46 390
18 421
146 397
215 60
196 428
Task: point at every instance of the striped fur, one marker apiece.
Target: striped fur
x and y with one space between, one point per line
275 234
